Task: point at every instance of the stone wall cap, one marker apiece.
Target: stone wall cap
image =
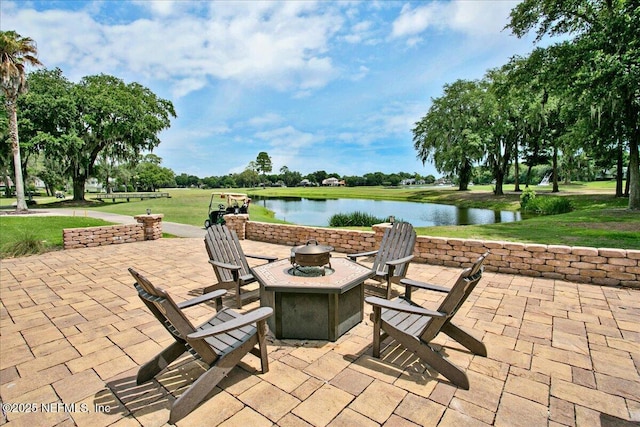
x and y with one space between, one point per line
150 216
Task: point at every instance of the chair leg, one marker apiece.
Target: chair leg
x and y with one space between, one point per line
440 364
465 339
261 327
201 388
389 277
161 361
238 296
377 312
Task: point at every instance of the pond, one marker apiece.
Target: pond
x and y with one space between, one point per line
317 212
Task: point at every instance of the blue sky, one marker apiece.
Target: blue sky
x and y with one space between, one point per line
334 86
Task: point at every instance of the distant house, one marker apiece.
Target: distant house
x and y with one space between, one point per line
92 185
333 182
305 183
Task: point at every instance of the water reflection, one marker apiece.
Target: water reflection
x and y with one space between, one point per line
318 211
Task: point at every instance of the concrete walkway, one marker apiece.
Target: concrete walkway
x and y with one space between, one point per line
73 333
179 230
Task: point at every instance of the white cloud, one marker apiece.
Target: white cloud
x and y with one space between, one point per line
281 45
486 17
359 32
162 7
474 18
413 20
188 84
287 138
361 74
265 119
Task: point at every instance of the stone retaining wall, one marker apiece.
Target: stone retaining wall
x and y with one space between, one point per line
149 227
99 236
601 266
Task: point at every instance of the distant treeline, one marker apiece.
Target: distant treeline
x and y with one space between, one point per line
289 178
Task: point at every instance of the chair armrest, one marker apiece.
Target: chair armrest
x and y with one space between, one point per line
405 308
353 257
225 265
203 298
246 319
400 261
263 257
423 285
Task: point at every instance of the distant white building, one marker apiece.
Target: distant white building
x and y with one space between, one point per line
332 182
93 186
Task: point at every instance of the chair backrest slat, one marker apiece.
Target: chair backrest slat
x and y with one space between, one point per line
458 294
223 246
169 314
397 242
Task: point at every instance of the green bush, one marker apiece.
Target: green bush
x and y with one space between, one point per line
354 219
527 195
27 244
547 205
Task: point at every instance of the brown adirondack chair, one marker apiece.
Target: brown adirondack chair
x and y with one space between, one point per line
228 260
392 259
219 342
414 327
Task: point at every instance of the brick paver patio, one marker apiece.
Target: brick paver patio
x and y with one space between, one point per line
73 332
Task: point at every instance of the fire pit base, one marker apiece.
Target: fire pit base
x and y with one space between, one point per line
317 308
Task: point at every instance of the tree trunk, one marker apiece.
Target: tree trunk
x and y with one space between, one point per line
555 170
21 204
626 183
517 169
78 188
634 172
499 183
465 177
107 186
619 174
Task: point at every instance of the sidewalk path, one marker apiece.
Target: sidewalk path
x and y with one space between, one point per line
179 230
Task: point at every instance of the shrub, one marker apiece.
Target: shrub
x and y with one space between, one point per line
358 219
548 205
527 195
28 244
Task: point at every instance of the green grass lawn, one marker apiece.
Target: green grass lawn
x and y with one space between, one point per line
599 218
186 206
606 228
22 235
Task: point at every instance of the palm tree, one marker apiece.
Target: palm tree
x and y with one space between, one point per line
15 51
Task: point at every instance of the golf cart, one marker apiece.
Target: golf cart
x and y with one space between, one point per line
226 203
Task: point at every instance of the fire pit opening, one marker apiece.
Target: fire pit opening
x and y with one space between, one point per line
310 271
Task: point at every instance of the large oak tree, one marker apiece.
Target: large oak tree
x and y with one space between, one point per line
101 114
452 133
605 55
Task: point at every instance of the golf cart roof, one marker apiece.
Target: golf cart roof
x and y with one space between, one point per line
230 196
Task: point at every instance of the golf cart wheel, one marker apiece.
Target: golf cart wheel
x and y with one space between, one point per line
207 224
